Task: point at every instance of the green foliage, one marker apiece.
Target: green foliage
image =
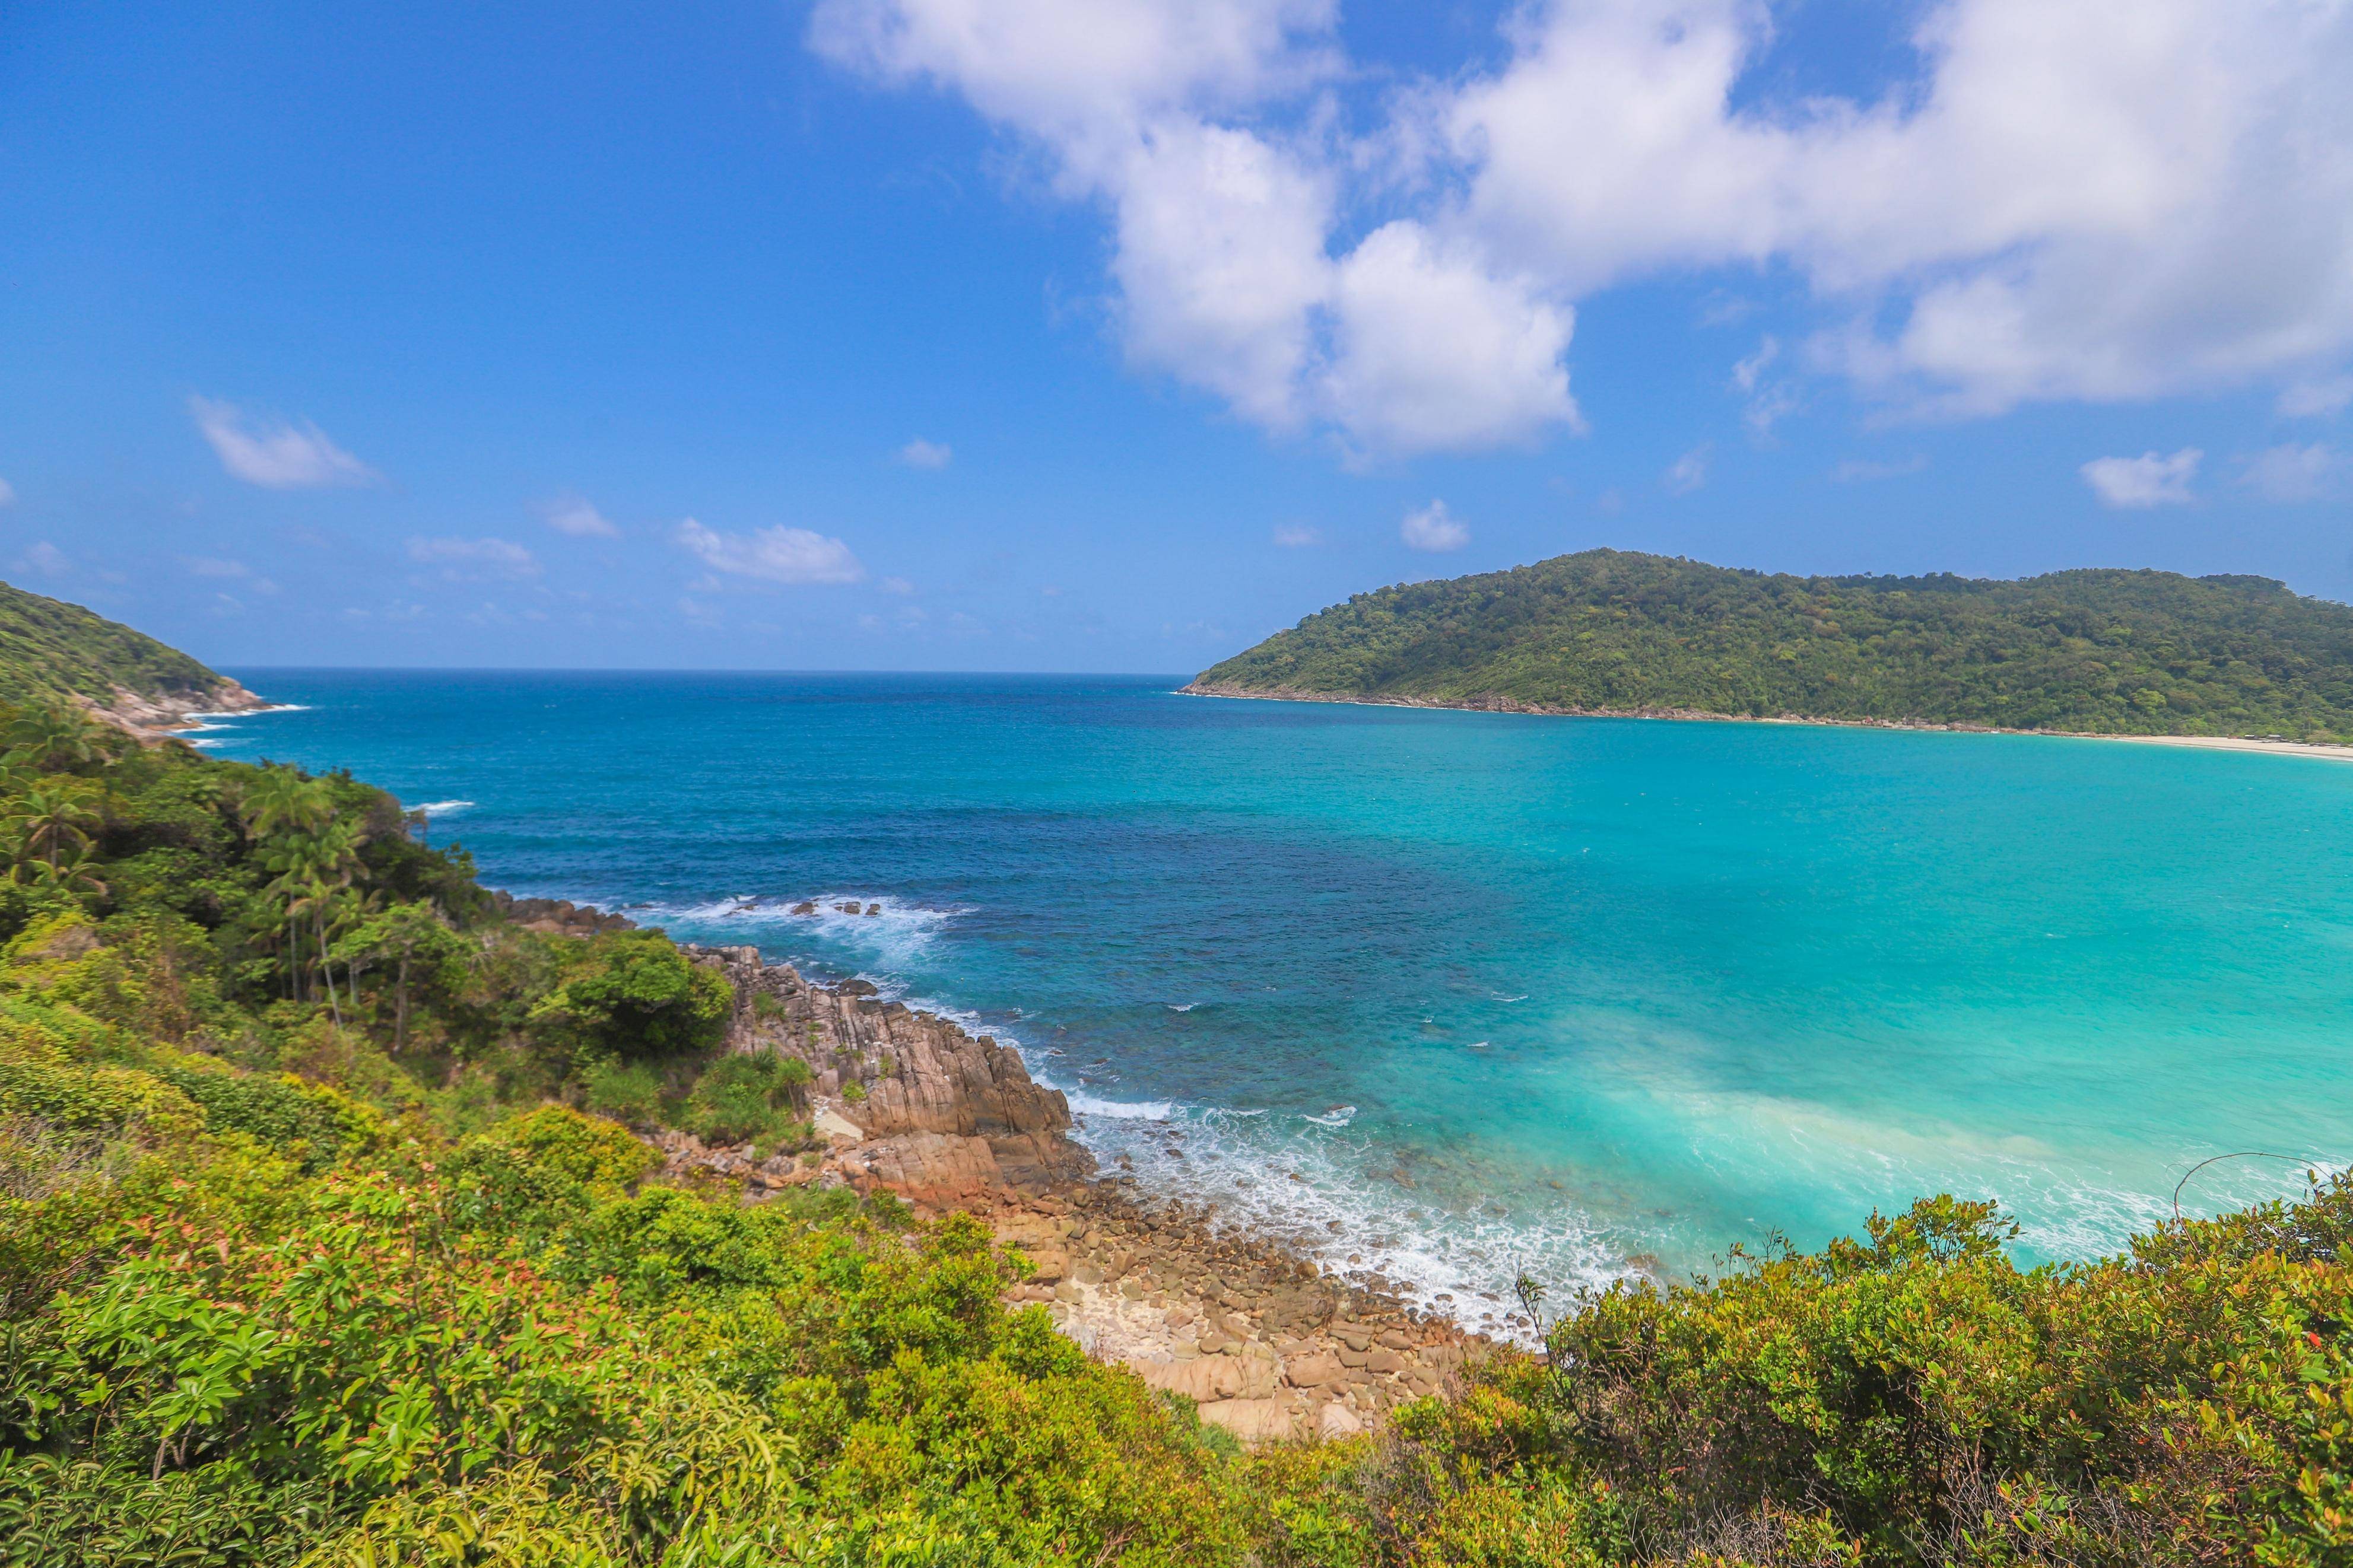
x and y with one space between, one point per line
52 650
2109 652
626 1091
636 996
741 1096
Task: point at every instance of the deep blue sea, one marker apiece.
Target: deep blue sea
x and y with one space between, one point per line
1458 994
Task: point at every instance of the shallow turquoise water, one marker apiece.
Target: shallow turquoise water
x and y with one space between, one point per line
1502 991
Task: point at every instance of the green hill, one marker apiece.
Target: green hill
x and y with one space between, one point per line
51 650
1609 631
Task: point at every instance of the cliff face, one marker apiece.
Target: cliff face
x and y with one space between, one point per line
937 1115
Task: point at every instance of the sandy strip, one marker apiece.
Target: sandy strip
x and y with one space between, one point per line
2228 743
1692 716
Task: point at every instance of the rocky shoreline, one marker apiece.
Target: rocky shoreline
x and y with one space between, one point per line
1268 1345
153 715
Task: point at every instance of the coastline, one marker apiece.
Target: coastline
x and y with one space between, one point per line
158 716
2326 753
1267 1344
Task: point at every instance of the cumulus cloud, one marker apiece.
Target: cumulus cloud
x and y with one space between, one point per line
771 554
575 516
896 585
1297 536
921 454
1688 472
2292 473
2144 481
1434 530
1229 271
7 493
274 454
472 559
2052 202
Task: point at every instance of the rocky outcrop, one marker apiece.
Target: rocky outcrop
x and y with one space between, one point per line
559 916
940 1116
150 715
1266 1344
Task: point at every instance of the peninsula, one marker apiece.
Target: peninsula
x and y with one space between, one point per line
2100 652
61 652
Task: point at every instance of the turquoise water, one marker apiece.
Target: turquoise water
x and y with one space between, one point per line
1569 995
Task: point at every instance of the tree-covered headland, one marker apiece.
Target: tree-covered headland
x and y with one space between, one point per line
1610 631
316 1248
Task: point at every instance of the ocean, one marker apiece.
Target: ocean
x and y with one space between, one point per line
1459 996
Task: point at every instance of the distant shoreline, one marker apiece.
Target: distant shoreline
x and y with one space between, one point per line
2333 753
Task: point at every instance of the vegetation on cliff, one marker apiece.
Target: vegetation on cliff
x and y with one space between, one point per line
2108 652
308 1255
52 649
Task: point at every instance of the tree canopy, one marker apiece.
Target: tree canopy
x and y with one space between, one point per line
49 648
2097 651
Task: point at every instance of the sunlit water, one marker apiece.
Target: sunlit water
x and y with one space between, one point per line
1459 995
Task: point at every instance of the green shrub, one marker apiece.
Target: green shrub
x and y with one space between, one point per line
626 1091
744 1097
636 998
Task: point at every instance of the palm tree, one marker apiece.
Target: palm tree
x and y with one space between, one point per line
314 869
287 811
49 820
52 739
72 872
283 800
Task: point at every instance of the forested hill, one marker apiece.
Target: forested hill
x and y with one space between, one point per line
2114 652
50 649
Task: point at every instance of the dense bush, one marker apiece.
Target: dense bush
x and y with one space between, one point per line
634 996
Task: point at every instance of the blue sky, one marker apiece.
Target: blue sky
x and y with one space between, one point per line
1049 335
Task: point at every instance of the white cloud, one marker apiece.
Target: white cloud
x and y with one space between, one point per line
2292 473
921 454
276 454
1745 373
1297 536
771 554
2316 399
575 516
7 493
1434 530
1224 238
896 585
45 559
234 571
2145 480
1432 352
2053 202
471 560
1688 472
1858 469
